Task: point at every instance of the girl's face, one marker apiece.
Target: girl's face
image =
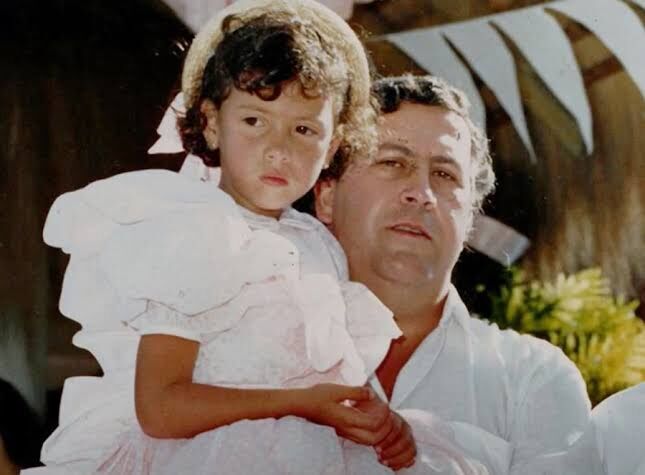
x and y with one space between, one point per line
271 152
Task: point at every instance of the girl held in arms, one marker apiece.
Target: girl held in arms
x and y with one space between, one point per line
230 338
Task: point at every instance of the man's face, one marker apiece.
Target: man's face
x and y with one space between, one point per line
405 216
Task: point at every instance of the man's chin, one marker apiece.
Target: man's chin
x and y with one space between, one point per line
406 268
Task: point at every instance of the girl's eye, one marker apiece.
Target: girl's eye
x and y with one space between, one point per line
252 121
304 130
390 163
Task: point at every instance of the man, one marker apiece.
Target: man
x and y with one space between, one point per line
402 221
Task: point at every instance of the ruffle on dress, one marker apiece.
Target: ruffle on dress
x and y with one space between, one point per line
289 445
158 252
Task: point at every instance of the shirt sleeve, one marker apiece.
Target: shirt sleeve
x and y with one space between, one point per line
619 426
478 451
472 450
550 408
544 407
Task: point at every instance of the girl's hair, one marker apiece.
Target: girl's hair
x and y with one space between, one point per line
259 55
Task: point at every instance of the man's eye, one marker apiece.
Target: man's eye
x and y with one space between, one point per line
444 175
252 121
304 130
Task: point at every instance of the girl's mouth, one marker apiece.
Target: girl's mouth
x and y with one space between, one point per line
274 180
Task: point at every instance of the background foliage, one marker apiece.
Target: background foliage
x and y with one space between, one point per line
578 313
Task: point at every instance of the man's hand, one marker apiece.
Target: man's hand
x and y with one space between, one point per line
392 438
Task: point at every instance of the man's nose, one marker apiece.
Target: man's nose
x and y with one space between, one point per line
418 192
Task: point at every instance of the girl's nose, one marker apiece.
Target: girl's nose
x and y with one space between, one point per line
276 154
277 150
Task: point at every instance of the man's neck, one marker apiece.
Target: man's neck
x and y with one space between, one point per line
416 318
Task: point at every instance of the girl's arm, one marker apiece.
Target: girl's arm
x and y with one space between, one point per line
169 405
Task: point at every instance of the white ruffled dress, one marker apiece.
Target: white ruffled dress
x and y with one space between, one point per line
268 300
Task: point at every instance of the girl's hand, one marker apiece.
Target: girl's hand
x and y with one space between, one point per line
324 404
398 449
380 412
392 439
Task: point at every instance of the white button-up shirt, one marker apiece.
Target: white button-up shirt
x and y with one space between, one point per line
507 398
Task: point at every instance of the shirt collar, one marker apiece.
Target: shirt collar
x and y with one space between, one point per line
424 357
455 310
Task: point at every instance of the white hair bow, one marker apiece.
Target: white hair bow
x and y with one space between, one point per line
169 140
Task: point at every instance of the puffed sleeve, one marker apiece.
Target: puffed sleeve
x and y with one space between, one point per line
370 323
156 251
344 324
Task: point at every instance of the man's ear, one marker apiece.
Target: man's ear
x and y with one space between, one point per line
211 135
324 190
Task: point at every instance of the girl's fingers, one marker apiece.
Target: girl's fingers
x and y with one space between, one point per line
393 433
366 436
353 419
354 393
401 445
386 428
359 436
402 460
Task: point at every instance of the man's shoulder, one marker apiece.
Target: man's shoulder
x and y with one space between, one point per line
314 226
521 353
483 329
305 218
324 239
529 368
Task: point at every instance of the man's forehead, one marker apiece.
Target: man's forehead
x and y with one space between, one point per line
399 119
397 145
422 129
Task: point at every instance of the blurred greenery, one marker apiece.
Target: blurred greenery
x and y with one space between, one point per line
578 313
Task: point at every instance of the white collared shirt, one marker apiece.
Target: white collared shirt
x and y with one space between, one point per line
508 398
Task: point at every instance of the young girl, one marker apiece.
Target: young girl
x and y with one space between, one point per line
248 340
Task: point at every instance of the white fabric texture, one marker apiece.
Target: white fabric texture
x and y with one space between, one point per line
268 301
612 443
619 423
509 399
